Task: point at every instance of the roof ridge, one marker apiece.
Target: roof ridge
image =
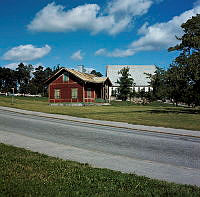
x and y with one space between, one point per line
83 76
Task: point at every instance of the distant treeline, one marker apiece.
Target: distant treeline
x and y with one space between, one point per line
25 79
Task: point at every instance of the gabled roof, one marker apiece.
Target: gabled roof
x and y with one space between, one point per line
82 76
136 72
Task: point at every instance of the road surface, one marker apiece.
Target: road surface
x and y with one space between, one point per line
162 156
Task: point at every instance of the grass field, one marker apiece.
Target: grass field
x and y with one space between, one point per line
155 114
26 173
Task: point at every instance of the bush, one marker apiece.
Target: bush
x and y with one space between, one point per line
100 100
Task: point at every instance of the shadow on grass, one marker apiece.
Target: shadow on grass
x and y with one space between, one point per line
152 111
175 111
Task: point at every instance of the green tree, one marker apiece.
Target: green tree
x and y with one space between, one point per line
98 74
189 59
8 79
158 83
125 84
57 68
37 82
48 73
23 73
176 83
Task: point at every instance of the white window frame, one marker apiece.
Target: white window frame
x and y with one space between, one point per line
65 77
57 93
73 96
89 93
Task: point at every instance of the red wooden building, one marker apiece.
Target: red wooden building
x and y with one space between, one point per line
69 85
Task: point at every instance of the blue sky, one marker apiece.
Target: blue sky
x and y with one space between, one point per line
94 33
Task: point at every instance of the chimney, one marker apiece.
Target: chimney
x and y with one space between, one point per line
81 68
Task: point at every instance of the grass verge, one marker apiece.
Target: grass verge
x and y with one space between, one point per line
26 173
155 114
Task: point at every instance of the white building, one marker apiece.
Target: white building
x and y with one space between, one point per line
137 73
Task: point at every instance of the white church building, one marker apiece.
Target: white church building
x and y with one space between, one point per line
137 72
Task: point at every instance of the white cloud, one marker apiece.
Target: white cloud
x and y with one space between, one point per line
132 7
77 55
115 53
143 30
114 19
26 53
53 18
88 70
12 66
100 52
162 35
121 53
155 37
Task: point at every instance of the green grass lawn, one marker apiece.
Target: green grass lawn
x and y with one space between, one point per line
155 114
26 173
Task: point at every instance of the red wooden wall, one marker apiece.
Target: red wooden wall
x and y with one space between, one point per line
65 90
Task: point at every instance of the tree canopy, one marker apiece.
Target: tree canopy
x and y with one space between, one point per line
188 62
181 81
98 74
125 83
25 79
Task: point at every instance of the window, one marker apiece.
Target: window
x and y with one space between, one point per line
89 93
57 93
74 93
65 77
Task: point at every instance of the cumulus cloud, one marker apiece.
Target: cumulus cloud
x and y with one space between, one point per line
26 53
77 55
154 37
115 18
132 7
162 35
100 52
53 18
115 53
121 53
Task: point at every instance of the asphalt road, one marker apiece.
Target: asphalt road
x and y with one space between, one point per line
178 152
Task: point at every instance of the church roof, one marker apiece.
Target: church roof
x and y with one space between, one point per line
136 71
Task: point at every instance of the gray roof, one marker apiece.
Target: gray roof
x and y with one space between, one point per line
136 71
